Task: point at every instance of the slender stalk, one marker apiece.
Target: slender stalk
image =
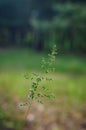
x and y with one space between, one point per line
28 110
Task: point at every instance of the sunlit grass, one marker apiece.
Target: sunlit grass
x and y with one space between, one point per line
63 86
69 86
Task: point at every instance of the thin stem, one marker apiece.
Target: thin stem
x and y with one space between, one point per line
28 110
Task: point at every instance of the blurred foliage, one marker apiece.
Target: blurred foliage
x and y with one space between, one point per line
42 23
39 24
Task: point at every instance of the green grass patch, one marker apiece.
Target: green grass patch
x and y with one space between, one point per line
69 80
30 60
15 63
70 87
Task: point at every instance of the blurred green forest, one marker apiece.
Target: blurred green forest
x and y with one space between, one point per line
37 24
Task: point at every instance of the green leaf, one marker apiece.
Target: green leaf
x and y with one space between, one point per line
38 79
